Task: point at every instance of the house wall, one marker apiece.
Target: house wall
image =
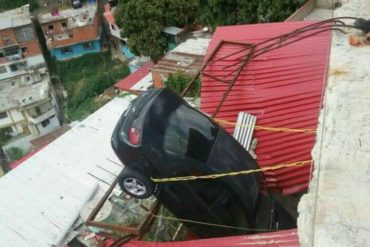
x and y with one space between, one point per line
30 61
51 126
77 50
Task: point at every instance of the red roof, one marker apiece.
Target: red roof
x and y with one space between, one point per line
274 239
283 88
128 82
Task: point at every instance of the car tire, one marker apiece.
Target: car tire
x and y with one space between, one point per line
135 183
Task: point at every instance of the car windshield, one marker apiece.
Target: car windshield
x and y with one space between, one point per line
190 134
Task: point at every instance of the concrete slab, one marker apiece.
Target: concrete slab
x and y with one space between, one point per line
319 14
335 211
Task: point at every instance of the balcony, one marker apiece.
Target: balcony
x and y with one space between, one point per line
13 57
43 116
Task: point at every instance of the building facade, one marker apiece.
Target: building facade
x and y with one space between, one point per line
28 107
72 33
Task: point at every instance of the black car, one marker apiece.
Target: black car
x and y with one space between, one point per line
160 135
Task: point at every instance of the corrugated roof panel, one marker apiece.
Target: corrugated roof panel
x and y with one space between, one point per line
281 238
283 88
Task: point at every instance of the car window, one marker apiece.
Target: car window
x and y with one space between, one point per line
190 134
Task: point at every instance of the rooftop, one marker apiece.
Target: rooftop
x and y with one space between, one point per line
76 17
186 58
173 30
19 95
15 17
142 76
56 182
282 87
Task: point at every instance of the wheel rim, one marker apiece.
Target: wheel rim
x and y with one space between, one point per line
134 186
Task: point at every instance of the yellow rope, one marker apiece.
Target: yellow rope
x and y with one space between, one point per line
257 127
219 175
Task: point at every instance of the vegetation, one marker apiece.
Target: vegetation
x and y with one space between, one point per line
14 153
230 12
178 83
85 78
12 4
142 21
4 136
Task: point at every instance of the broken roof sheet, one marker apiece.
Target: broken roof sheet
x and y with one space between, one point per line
283 88
49 189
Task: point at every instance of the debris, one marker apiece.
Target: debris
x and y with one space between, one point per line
359 40
363 24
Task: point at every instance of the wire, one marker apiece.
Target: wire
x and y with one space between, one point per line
237 173
207 223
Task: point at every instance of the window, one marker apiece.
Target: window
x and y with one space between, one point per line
24 34
64 24
17 66
11 51
45 123
189 133
3 115
66 51
51 27
87 46
2 69
13 67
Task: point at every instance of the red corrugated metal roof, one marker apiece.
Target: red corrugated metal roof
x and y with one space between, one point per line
283 88
280 238
128 82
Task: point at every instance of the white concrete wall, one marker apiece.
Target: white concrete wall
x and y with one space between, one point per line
31 61
53 125
5 121
116 32
16 115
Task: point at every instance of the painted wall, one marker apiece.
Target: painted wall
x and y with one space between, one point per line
126 51
77 50
30 61
53 125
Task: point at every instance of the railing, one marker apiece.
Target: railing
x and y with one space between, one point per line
43 116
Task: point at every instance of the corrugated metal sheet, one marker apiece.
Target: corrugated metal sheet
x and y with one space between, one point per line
42 198
128 82
280 238
283 88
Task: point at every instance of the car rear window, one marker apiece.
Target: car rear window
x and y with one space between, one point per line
189 133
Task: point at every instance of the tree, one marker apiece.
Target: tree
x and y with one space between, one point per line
231 12
142 22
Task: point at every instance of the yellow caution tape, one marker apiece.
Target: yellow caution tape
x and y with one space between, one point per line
220 175
257 127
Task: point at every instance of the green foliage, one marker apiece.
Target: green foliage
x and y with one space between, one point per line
231 12
4 137
178 83
86 77
142 21
12 4
14 153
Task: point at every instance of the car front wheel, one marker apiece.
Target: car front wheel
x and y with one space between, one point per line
135 183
